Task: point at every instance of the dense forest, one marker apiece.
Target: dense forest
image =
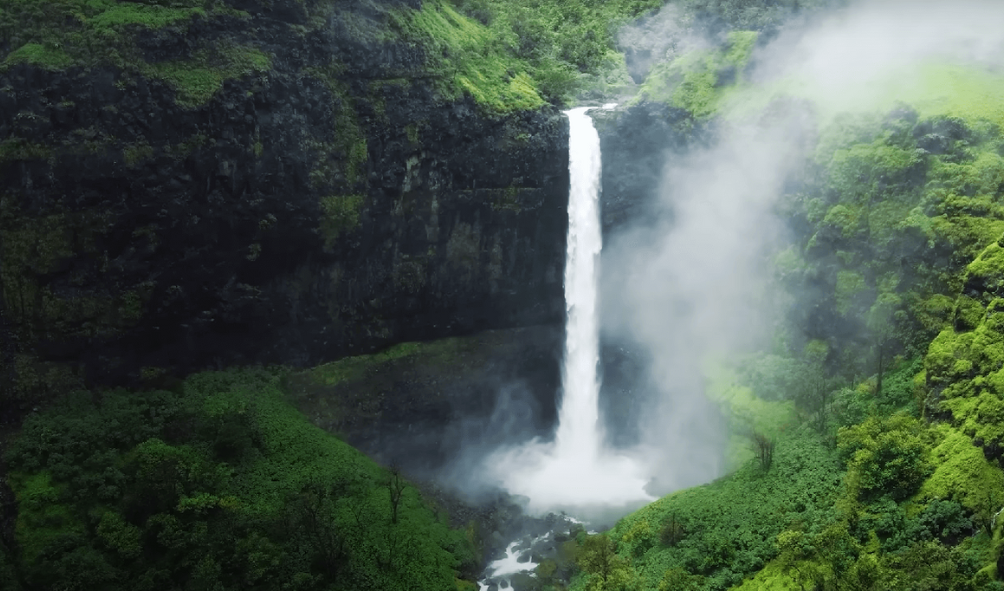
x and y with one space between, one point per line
240 239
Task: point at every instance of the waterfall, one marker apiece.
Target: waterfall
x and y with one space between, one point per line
575 472
578 418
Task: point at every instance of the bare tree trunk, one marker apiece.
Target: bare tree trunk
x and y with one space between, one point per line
881 359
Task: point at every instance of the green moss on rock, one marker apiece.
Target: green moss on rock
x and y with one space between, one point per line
988 269
136 153
198 79
89 33
968 313
15 148
339 214
341 162
50 58
151 16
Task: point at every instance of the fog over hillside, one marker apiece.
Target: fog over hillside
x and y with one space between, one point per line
692 284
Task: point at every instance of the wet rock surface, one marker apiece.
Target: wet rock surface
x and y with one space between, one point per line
440 409
301 214
637 142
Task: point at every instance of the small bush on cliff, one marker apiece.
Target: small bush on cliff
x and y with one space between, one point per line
339 213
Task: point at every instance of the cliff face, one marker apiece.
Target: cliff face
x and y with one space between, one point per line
424 406
637 142
302 192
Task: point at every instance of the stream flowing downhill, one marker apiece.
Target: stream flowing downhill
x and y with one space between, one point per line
575 473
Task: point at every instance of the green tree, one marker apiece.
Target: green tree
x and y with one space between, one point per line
607 570
822 561
882 328
677 579
885 456
796 558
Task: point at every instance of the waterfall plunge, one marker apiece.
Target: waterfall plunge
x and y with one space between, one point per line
575 473
578 419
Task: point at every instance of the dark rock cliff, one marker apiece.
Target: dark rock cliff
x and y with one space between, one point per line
325 204
637 142
440 405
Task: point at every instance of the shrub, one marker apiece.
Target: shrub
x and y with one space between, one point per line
885 456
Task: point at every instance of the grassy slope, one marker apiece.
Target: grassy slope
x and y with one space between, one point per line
697 81
931 88
727 528
221 485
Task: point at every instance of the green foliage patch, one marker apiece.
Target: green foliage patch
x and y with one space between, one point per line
339 213
696 80
468 59
88 33
885 457
50 58
222 485
196 80
726 530
962 473
882 191
150 16
964 362
548 47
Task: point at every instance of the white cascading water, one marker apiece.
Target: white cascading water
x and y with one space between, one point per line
578 419
575 472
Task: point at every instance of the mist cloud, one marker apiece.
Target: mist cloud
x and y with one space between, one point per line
690 283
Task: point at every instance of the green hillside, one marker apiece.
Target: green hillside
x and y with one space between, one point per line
217 484
887 475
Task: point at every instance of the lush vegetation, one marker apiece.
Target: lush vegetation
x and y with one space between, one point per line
883 191
88 33
217 485
867 444
869 440
508 56
564 45
896 504
696 80
726 530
